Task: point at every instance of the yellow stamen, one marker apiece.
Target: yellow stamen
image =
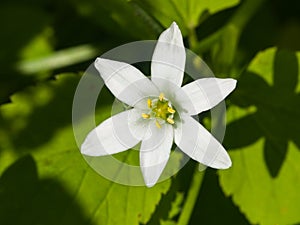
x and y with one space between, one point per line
149 102
171 110
145 116
161 97
157 124
170 121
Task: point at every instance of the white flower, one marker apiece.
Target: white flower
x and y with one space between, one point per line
161 110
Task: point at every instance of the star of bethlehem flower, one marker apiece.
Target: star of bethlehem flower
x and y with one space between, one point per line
161 110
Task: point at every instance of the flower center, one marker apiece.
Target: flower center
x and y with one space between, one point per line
161 110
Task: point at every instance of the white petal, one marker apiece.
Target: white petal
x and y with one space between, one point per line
168 60
155 152
194 140
126 82
204 94
116 134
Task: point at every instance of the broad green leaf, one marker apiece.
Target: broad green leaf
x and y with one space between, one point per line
186 13
60 183
263 135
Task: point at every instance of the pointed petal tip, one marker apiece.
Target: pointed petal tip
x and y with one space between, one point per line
152 174
100 61
223 161
233 83
228 84
91 146
176 32
174 25
84 148
172 35
87 149
150 178
226 165
150 185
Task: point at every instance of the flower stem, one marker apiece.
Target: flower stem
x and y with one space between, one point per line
192 37
191 197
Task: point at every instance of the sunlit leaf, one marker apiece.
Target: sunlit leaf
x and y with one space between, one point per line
176 205
263 135
186 13
175 209
58 59
38 122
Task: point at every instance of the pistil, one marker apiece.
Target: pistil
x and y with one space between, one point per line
161 110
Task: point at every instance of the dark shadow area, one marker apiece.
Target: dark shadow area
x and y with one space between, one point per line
58 23
277 117
25 199
276 23
180 184
213 207
211 200
19 23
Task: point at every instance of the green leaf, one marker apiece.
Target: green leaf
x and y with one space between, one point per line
38 122
186 13
28 199
168 222
58 59
175 209
176 205
263 135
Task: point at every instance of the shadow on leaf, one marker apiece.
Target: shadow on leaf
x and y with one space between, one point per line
42 111
277 110
26 199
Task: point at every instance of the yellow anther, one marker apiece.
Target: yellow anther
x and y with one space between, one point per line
157 124
170 121
145 116
171 110
161 96
149 102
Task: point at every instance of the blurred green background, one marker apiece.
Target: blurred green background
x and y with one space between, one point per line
45 47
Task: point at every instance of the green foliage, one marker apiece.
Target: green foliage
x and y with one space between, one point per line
44 131
188 14
118 17
263 133
45 180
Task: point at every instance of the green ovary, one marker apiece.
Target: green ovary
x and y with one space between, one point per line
161 110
